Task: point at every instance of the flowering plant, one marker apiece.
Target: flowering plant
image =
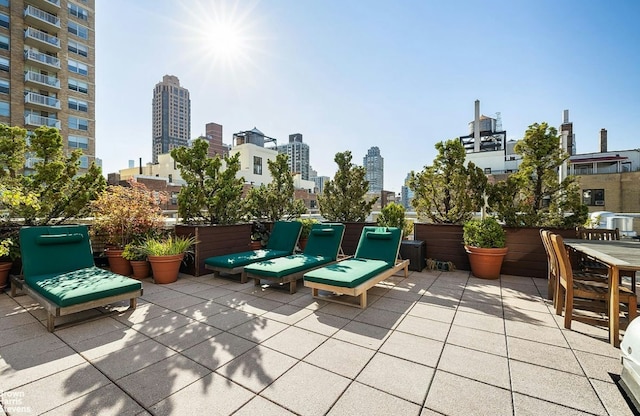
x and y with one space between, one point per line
127 213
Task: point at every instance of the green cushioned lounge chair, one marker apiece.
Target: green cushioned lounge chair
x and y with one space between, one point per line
322 248
282 242
59 272
374 261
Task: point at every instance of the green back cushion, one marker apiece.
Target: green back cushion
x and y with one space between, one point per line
324 240
379 243
80 286
347 273
284 236
284 266
55 249
231 261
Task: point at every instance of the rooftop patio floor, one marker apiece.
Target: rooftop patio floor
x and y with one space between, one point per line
433 343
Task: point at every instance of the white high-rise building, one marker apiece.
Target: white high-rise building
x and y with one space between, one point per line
298 153
374 166
171 116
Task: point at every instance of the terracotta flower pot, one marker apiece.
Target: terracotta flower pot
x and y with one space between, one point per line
5 268
165 268
302 243
141 268
117 263
486 262
255 245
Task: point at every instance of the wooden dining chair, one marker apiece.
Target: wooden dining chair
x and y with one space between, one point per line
570 288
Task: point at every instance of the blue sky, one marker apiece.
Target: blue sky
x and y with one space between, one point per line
351 74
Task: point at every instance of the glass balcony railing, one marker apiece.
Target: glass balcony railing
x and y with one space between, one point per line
54 2
42 37
43 100
48 80
42 58
36 120
31 11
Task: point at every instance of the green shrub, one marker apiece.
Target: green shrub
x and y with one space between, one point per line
484 233
393 215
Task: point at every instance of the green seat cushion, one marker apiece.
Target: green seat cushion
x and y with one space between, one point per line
231 261
324 240
284 266
81 286
347 273
284 236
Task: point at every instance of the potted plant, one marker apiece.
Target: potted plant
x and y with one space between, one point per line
135 253
393 215
6 260
307 223
259 235
123 214
484 242
165 256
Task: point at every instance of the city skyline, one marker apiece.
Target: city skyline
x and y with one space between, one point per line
397 76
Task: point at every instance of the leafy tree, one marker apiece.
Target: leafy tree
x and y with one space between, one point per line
213 194
275 201
343 198
448 191
393 215
61 192
533 196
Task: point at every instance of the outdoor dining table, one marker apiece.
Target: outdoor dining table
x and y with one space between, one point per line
617 255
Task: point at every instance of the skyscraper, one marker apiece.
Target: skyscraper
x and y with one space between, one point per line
374 166
47 69
171 116
298 155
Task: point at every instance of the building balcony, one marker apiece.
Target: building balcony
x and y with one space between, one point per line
51 6
41 19
42 60
46 82
37 121
43 41
42 101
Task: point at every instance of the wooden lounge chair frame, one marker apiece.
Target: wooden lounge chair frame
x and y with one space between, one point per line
240 269
292 279
360 291
53 309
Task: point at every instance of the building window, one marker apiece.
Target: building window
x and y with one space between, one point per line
78 123
84 162
4 86
77 142
593 197
4 3
78 30
78 12
78 67
4 20
79 86
257 165
78 105
78 48
4 108
4 42
4 64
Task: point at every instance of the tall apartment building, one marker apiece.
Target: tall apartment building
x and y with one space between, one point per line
374 167
171 116
298 155
47 69
213 133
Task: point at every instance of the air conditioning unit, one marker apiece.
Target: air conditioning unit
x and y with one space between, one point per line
599 202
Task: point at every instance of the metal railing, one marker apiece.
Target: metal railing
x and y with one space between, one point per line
42 15
43 58
36 120
41 36
35 98
42 79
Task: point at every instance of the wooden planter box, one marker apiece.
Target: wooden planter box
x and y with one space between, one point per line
213 240
526 256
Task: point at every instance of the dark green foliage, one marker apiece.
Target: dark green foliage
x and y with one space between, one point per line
343 199
213 195
533 196
484 233
274 201
448 191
